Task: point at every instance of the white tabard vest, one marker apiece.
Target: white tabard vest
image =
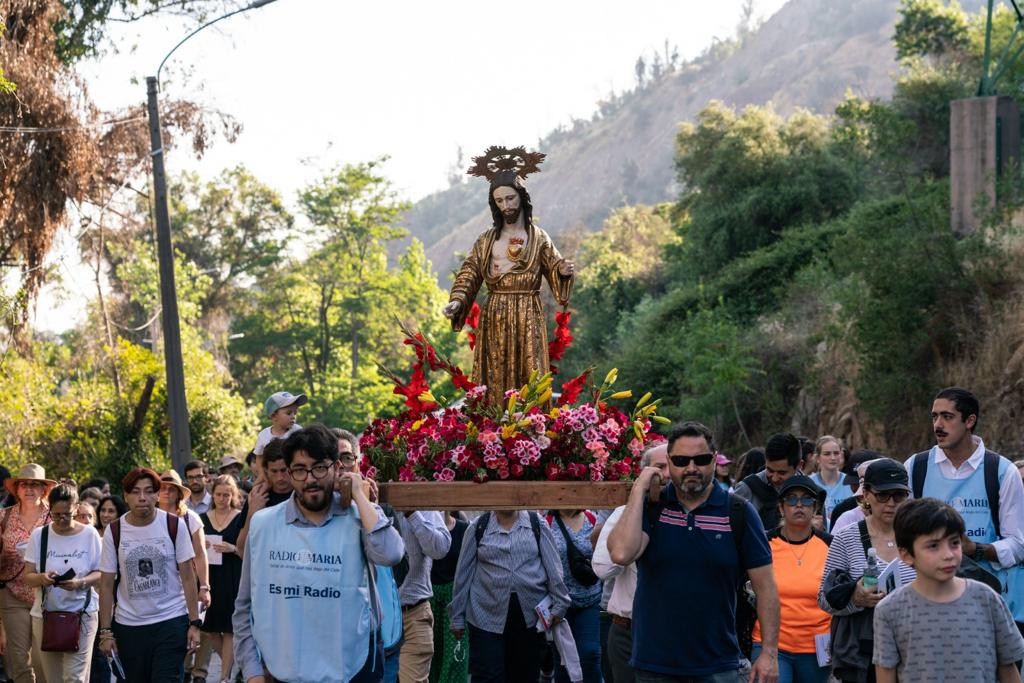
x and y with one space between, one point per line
311 615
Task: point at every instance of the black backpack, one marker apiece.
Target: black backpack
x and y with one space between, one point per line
969 569
485 519
991 468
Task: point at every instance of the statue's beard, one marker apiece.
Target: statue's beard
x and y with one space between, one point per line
511 215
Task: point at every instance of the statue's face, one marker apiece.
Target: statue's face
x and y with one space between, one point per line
507 200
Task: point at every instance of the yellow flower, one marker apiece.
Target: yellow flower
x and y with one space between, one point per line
545 396
416 425
428 397
638 429
622 394
643 399
471 430
508 431
612 375
661 420
554 413
511 402
550 434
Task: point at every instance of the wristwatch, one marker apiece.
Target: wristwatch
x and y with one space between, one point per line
198 623
979 552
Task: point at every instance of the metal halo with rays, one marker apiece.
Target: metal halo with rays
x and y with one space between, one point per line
496 159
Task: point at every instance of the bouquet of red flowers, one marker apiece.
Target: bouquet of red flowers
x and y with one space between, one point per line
581 437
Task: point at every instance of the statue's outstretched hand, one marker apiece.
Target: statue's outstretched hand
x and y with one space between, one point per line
451 309
566 268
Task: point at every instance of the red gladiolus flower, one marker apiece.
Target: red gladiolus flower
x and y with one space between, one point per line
473 321
561 339
571 390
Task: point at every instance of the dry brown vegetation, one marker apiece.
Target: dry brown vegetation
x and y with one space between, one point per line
76 153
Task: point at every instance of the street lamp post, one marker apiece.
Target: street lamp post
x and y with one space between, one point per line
177 408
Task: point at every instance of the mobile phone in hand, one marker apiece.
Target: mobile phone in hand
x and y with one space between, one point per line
66 576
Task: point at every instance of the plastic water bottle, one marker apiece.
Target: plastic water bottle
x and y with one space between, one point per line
871 572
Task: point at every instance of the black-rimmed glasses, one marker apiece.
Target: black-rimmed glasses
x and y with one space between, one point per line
301 473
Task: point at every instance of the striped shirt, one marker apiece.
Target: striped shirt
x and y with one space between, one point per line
506 562
847 552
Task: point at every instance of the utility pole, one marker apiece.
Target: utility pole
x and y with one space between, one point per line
177 409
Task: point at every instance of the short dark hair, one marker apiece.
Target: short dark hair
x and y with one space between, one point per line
966 403
116 501
96 482
61 493
691 428
784 446
316 441
197 465
925 516
272 452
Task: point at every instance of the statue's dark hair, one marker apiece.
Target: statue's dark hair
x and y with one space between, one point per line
524 204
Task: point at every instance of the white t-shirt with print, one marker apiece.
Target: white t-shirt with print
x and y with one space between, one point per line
150 589
79 551
266 437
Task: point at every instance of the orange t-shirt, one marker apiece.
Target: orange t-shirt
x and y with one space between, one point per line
798 571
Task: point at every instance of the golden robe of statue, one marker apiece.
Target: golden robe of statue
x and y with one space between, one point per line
512 338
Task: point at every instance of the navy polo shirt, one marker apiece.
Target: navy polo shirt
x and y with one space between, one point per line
684 609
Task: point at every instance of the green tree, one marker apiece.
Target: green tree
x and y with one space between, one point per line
747 177
618 265
905 297
322 322
233 229
82 27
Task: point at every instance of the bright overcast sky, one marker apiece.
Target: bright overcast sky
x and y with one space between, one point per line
320 82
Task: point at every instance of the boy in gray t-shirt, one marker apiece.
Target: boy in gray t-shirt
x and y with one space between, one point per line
942 628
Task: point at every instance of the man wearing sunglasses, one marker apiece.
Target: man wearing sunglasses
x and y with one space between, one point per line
981 485
307 608
688 566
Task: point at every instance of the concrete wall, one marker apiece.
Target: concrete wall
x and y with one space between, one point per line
984 142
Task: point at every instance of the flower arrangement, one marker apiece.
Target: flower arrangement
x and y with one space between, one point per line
582 437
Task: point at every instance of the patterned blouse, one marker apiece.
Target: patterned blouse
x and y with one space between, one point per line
12 558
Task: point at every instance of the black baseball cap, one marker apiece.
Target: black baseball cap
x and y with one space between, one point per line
886 475
802 481
856 459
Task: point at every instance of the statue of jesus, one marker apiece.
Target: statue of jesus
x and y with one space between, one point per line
511 258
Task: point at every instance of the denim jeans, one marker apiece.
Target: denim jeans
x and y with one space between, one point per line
797 668
737 676
606 665
585 623
391 666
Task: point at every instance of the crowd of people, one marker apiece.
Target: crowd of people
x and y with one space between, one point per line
798 562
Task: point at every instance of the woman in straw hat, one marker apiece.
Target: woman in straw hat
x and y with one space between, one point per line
172 501
30 487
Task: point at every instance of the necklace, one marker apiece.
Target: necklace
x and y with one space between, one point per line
218 518
790 544
890 541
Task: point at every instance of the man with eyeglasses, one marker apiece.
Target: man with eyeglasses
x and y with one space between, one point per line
197 477
983 486
690 550
307 609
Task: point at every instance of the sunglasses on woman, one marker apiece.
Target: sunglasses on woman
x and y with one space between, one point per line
702 460
806 501
886 496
